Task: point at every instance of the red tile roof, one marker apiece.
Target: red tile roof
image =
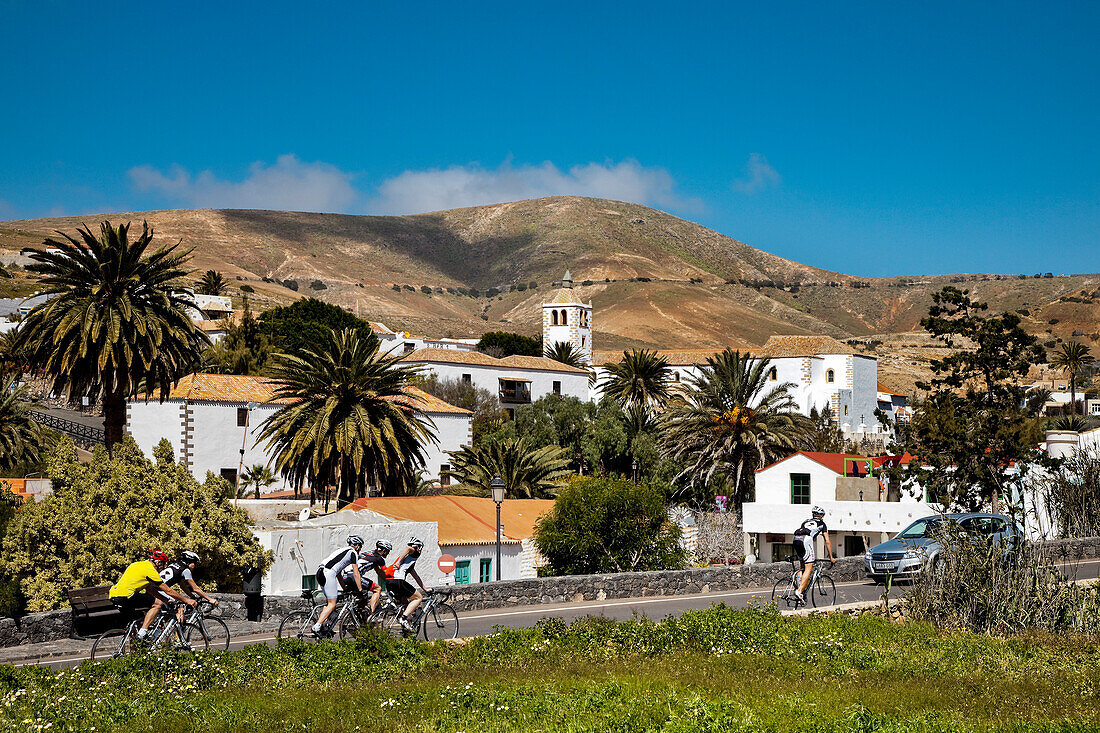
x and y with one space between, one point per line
454 356
882 388
462 520
832 461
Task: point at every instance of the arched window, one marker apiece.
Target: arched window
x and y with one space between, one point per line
564 318
676 376
830 376
773 375
553 318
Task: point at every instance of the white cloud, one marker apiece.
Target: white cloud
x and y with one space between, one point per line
758 175
289 185
458 186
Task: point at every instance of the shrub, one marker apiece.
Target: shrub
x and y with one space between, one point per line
602 525
1072 494
1053 321
396 287
410 288
586 282
109 513
509 343
425 289
292 284
533 285
246 288
492 293
521 288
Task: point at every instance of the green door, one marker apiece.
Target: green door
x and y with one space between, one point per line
486 570
462 572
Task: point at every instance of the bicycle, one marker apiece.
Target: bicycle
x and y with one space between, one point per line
436 619
215 630
166 632
821 590
299 624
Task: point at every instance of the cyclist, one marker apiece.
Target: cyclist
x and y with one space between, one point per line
403 567
805 537
144 575
371 561
180 573
328 577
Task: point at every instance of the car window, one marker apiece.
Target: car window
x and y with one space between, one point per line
997 525
921 528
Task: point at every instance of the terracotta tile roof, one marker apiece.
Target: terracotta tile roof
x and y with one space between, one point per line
18 486
238 388
780 346
566 295
380 328
453 356
462 520
832 461
209 326
675 357
882 388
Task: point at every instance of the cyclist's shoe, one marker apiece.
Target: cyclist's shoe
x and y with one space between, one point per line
800 598
408 627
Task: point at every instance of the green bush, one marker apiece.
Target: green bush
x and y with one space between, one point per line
603 525
246 288
105 515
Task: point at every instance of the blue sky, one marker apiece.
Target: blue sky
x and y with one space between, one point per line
870 138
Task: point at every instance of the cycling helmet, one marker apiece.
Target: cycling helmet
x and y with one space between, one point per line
382 546
817 510
416 542
354 539
157 555
189 557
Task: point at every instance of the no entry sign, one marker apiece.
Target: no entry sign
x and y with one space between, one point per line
446 564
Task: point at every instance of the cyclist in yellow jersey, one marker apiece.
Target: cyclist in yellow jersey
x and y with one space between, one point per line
143 575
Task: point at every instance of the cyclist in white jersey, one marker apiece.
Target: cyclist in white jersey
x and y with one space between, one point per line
403 568
328 577
805 537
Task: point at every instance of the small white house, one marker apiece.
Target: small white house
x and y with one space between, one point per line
396 343
858 513
210 418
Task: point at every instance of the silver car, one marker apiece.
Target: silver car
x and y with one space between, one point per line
917 546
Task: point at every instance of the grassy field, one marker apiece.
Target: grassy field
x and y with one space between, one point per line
715 670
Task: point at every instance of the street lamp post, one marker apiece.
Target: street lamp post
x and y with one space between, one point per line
244 440
634 468
497 486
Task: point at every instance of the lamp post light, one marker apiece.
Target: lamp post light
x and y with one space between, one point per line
497 487
634 468
244 439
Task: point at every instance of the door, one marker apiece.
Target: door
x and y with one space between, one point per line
462 572
486 570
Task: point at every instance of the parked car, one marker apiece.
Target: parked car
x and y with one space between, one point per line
918 547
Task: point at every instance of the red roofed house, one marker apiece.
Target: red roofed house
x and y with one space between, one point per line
858 511
208 418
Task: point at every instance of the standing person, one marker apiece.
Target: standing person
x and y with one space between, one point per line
328 576
404 567
181 573
371 561
143 575
805 538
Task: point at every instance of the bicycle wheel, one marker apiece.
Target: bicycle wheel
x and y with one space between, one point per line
297 625
349 626
391 623
824 591
188 638
111 645
783 592
441 622
215 630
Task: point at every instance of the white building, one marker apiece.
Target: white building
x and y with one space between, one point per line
858 514
210 418
402 342
515 380
566 319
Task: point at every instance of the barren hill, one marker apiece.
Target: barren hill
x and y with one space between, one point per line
654 279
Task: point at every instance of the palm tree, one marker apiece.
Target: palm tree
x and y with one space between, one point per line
1037 399
1072 358
566 353
525 472
116 326
346 419
640 377
11 361
256 477
20 437
212 283
729 423
1072 423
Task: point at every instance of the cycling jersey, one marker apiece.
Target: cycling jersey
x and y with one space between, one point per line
139 576
175 573
368 561
805 538
407 563
339 559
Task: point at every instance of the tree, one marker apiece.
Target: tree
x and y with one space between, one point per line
256 477
729 422
1037 399
505 343
971 433
1071 358
566 353
212 283
526 471
484 404
306 323
12 360
116 326
601 525
1072 494
346 420
824 434
20 437
245 348
639 378
105 515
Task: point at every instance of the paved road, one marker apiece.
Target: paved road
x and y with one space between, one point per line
473 623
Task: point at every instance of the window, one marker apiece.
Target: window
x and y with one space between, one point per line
242 417
409 347
846 410
773 375
462 572
676 376
830 376
582 342
467 379
445 474
557 387
800 488
485 572
553 318
230 475
781 551
564 318
854 545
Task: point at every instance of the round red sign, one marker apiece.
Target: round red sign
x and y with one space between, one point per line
446 564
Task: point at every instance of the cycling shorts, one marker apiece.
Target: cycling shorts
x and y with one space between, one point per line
804 548
329 582
134 607
402 589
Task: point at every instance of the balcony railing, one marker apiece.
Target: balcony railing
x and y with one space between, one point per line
515 396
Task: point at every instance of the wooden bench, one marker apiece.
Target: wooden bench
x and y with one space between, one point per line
89 603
